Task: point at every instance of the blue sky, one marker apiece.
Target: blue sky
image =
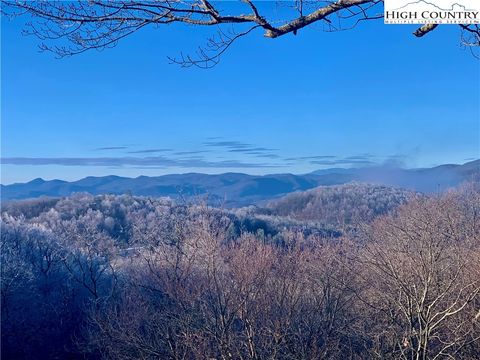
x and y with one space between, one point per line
295 104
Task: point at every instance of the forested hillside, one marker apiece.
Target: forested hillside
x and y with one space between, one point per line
124 277
341 206
240 180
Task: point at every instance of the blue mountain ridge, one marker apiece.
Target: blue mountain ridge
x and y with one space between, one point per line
236 189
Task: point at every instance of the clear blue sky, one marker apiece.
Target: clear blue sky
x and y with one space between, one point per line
295 104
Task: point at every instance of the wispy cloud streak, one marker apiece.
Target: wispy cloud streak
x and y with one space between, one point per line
311 157
134 161
341 162
148 151
111 148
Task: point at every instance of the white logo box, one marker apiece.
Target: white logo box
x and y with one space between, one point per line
432 11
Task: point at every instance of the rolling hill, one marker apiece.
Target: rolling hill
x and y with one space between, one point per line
236 189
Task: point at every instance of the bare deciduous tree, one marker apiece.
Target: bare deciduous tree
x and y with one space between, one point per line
180 286
78 26
422 275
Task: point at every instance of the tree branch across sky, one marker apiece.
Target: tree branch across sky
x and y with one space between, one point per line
69 28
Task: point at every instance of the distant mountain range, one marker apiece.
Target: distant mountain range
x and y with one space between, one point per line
235 189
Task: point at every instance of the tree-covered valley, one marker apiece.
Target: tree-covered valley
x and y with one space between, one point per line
350 271
240 180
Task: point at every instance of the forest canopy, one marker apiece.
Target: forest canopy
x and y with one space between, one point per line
123 277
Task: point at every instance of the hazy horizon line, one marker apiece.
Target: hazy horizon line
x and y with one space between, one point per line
391 166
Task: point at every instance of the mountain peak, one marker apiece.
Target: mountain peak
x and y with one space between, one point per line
36 181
